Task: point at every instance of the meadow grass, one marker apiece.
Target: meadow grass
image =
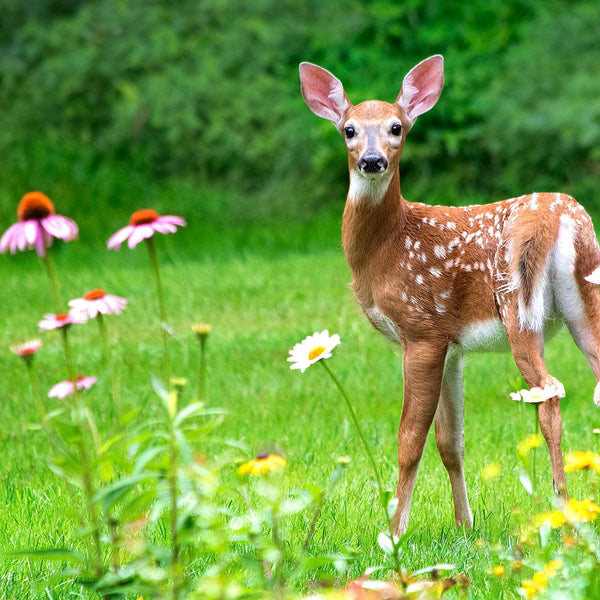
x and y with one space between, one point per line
260 302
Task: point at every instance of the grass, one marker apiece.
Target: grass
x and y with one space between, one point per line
260 302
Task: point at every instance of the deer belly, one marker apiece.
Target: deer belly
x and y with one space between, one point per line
484 336
382 323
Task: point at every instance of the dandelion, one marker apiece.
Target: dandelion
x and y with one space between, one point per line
554 518
27 350
37 226
576 461
67 388
578 511
263 463
533 440
143 224
491 471
498 570
201 330
97 303
313 349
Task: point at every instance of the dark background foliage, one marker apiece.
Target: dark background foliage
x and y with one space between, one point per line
195 105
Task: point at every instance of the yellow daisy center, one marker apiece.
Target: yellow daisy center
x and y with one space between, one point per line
315 352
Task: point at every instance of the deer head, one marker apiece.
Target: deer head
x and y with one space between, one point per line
374 131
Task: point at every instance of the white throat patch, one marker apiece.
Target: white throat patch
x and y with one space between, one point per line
365 189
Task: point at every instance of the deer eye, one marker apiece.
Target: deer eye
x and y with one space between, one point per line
349 131
396 129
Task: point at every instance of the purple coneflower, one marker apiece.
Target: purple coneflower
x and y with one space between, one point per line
52 321
143 224
98 302
66 388
38 224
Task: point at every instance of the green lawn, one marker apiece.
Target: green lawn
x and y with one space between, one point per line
260 303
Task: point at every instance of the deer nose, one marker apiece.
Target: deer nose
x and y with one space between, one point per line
372 163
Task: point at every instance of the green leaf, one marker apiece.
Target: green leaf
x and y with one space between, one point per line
57 554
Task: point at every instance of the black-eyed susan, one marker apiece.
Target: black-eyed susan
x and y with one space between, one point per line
263 463
312 349
576 461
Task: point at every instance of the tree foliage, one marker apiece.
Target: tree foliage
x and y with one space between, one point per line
208 90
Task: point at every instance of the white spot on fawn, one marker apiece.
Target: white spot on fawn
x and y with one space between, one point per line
439 251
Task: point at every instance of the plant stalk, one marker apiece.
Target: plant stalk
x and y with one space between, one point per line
162 313
114 380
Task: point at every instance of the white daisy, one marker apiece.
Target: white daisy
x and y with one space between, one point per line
537 395
312 349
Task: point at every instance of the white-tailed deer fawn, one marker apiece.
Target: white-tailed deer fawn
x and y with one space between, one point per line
441 280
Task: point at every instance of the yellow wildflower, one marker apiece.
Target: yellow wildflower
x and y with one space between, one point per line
491 471
575 461
581 510
555 517
533 440
551 567
536 585
201 329
498 570
263 463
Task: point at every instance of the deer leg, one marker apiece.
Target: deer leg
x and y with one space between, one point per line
423 369
527 349
449 434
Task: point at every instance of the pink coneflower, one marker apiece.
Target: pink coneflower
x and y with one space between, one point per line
66 388
51 321
38 224
98 301
144 224
26 350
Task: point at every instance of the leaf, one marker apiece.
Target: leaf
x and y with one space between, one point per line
187 412
392 506
62 554
386 541
160 389
439 567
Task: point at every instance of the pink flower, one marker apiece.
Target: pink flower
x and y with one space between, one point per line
144 224
38 224
51 321
66 388
98 301
26 350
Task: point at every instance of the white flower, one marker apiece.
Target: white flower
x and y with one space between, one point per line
312 349
98 301
537 395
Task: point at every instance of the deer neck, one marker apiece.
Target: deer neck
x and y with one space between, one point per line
371 217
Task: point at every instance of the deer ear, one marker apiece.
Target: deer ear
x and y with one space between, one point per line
323 92
422 87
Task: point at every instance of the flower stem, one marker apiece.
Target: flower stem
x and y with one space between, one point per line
172 479
35 388
57 296
83 452
202 369
162 313
112 367
536 426
357 427
393 540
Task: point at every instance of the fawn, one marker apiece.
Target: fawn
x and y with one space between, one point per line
442 280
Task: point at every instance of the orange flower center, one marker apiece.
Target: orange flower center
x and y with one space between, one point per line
94 295
34 205
316 352
27 351
141 217
62 317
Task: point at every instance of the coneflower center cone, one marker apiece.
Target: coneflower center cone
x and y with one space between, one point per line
34 205
143 216
94 295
